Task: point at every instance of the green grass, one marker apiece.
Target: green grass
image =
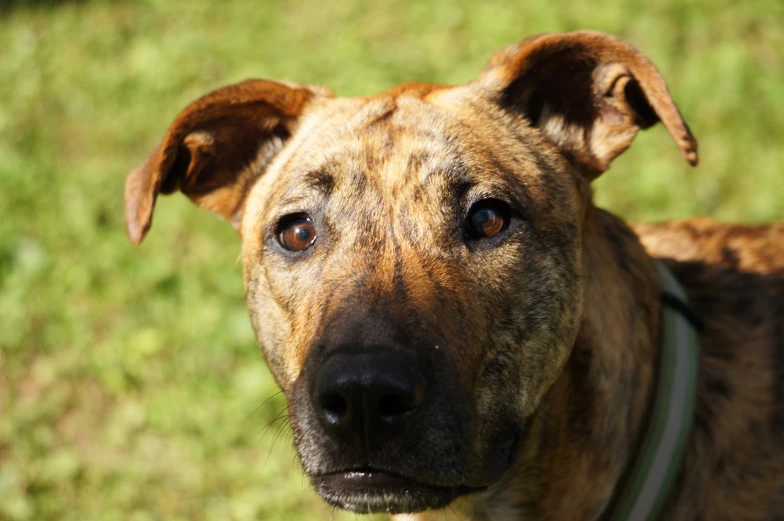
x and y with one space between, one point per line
130 384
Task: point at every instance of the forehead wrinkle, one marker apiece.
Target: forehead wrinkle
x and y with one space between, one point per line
380 131
357 146
420 152
374 111
434 172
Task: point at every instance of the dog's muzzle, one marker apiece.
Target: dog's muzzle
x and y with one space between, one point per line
366 398
383 424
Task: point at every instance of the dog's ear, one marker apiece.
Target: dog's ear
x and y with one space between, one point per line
587 92
216 148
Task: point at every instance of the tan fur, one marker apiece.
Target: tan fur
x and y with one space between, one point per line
551 332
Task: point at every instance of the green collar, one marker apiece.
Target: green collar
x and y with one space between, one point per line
652 474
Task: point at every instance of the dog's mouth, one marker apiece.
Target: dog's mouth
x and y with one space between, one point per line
374 490
369 490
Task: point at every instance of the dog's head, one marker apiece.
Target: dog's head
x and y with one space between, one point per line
413 259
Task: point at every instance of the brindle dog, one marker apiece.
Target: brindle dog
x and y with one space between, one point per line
452 321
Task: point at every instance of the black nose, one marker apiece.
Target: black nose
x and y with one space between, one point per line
368 396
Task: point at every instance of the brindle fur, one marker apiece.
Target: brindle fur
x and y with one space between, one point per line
550 333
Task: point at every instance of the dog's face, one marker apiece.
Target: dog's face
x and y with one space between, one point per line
413 259
415 219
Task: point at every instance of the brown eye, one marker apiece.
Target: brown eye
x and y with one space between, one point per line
297 234
487 219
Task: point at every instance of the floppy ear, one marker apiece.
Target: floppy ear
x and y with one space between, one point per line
215 149
588 93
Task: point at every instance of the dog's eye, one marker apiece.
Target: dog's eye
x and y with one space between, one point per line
297 233
488 218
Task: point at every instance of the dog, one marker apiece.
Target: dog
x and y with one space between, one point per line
459 332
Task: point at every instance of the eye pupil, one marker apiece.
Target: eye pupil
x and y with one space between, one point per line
297 234
488 219
482 217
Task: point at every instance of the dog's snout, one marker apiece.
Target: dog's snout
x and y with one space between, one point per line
368 396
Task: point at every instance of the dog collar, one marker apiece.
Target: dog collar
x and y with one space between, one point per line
654 470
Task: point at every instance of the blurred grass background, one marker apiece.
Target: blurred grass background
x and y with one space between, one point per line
130 384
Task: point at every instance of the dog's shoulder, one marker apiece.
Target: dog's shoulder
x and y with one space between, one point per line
751 249
734 278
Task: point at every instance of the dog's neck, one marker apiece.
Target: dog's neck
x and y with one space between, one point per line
582 439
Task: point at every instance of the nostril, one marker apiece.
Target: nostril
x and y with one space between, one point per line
393 406
366 396
334 404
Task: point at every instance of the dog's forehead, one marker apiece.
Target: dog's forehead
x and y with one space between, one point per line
396 139
397 148
382 135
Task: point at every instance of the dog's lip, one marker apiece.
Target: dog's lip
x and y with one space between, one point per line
368 478
364 479
372 478
369 490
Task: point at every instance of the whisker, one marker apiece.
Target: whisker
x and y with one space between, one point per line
277 417
274 440
262 404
